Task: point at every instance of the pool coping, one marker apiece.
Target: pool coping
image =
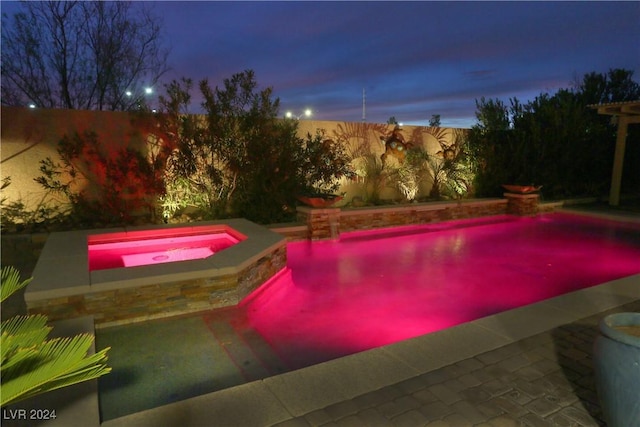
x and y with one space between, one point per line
621 216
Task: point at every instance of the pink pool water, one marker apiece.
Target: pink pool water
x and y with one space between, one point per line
375 288
148 247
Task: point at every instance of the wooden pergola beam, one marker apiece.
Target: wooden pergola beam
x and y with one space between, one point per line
627 113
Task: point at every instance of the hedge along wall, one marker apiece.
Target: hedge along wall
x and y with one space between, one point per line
31 135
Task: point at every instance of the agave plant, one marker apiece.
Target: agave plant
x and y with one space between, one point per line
32 364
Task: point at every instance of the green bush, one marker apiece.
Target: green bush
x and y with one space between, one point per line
238 159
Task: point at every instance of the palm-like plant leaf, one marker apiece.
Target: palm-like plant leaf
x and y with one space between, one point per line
11 282
28 328
21 335
58 363
30 363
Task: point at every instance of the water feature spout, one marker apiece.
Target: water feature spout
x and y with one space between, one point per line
334 228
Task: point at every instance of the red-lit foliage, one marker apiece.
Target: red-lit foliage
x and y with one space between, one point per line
104 183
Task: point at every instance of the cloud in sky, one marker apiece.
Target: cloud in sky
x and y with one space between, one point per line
414 59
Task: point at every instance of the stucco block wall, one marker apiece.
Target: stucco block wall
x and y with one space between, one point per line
31 135
28 136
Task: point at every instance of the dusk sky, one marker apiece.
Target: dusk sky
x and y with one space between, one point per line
414 59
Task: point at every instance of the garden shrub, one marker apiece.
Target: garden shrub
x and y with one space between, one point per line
238 159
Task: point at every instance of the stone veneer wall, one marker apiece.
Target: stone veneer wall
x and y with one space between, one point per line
350 221
328 223
322 223
128 305
522 204
292 232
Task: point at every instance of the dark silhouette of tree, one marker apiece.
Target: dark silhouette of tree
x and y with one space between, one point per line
615 86
80 55
554 140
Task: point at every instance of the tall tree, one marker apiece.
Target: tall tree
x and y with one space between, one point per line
553 140
615 86
81 55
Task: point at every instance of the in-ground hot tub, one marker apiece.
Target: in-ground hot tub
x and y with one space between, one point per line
140 273
148 247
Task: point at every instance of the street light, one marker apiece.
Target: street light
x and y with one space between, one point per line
147 91
137 99
307 113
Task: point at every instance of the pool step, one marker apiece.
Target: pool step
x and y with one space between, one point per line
263 351
245 347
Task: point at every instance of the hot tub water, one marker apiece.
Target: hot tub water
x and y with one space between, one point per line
108 251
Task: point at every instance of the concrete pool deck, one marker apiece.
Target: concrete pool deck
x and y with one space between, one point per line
527 366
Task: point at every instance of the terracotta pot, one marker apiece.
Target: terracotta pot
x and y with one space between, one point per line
319 200
522 189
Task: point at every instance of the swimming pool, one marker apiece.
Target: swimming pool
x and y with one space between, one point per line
378 287
364 291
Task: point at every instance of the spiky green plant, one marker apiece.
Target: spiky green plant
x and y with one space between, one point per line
32 364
